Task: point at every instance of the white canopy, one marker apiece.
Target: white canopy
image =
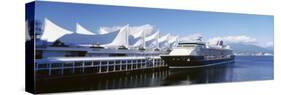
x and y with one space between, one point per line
105 30
137 33
138 43
141 31
152 40
81 30
153 36
109 37
164 38
121 39
172 39
52 32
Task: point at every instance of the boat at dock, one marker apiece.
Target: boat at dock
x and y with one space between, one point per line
198 54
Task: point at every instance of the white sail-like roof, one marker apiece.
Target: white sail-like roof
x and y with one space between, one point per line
172 39
81 39
152 40
135 36
121 39
52 32
138 43
81 30
164 38
105 30
137 33
134 31
154 44
140 31
163 41
153 36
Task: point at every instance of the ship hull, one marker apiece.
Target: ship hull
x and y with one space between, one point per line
193 61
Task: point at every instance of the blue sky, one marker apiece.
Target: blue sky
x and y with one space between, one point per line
176 22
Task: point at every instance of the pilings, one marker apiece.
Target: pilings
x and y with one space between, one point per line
100 66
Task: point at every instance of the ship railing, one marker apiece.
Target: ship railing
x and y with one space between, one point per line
217 57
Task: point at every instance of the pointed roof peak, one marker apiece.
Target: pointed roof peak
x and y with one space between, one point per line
81 30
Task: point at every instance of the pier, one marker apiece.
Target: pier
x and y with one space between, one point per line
99 65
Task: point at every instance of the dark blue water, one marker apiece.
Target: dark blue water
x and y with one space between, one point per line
252 68
245 68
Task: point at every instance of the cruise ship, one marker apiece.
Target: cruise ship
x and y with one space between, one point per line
198 54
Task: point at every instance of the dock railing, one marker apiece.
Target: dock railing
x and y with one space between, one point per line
99 65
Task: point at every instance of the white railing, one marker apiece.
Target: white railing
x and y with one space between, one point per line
99 65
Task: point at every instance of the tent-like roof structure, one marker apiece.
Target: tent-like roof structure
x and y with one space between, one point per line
52 32
153 36
105 30
172 39
152 40
82 39
164 38
128 36
121 38
81 30
138 43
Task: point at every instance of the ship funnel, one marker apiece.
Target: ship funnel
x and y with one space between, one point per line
220 43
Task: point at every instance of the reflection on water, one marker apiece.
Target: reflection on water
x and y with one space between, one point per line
150 78
213 74
161 77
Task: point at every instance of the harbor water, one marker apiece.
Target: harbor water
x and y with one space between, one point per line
245 68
